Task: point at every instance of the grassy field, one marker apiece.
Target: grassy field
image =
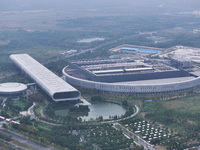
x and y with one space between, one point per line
19 104
181 114
63 112
187 104
44 126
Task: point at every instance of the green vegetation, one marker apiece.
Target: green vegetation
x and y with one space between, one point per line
97 99
18 77
5 137
51 43
105 137
80 108
1 100
18 105
5 114
177 113
26 120
76 136
63 111
125 103
181 114
5 146
43 126
22 145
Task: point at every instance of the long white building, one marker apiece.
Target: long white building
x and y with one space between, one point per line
53 85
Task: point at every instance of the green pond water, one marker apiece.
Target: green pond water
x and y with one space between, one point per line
97 109
104 109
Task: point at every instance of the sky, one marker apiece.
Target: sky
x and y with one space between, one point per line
18 5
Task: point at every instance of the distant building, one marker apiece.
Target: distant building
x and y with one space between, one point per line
181 63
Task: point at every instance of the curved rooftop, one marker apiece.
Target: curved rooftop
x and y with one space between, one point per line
12 88
53 85
144 86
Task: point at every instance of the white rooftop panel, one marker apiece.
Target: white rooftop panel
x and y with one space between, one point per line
12 88
57 88
138 69
107 71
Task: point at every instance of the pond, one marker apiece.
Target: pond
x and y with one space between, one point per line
104 109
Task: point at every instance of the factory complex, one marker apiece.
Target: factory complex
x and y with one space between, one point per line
131 75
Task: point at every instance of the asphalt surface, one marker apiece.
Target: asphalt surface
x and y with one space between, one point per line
4 101
22 139
31 111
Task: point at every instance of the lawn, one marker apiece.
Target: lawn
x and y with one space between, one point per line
37 110
181 114
62 113
44 126
20 104
189 104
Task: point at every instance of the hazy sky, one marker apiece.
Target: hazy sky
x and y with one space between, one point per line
13 5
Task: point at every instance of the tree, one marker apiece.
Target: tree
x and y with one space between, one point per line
124 103
97 99
26 120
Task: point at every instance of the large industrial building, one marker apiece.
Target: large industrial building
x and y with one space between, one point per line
128 75
53 85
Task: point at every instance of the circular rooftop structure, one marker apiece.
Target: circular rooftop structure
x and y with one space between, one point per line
12 88
128 76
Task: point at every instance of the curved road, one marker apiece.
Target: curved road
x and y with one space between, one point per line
31 110
133 115
41 110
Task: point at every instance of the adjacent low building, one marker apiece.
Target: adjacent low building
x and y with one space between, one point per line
53 85
12 88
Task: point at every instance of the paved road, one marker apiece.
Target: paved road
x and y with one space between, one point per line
24 140
42 110
12 145
85 103
31 111
4 101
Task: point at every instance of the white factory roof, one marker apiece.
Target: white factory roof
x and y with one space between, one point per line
121 70
12 87
48 81
138 69
107 71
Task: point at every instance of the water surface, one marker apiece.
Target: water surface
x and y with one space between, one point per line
104 109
